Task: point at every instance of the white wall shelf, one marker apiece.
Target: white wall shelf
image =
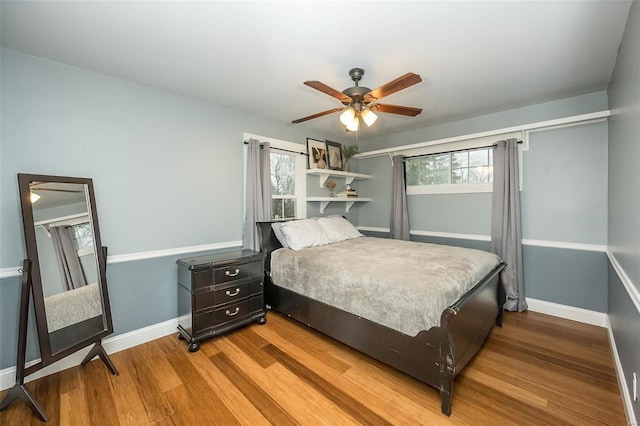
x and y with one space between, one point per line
324 174
349 201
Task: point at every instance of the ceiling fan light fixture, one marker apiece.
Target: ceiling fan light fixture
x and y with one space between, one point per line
354 125
369 117
34 197
348 116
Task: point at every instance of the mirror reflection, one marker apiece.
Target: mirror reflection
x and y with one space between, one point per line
68 260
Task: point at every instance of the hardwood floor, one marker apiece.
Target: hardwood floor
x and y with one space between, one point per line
535 370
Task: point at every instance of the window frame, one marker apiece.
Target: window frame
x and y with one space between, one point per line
297 150
448 188
465 145
275 150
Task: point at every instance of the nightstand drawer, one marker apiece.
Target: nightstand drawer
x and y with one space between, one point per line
202 279
203 321
203 300
231 312
237 272
229 293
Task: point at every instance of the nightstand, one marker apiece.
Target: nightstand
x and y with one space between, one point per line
218 293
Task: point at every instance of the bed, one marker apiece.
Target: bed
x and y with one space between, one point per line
360 291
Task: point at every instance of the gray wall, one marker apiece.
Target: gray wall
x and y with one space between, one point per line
564 199
624 202
167 172
540 112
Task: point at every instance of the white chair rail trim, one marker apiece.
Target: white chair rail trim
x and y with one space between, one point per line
477 237
131 257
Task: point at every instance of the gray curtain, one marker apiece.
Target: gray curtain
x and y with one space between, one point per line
258 192
506 227
71 273
399 212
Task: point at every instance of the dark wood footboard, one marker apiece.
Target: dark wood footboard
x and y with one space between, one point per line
465 326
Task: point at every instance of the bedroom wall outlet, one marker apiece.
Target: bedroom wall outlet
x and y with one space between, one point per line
635 387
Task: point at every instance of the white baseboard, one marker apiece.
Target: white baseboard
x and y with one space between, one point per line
568 312
622 384
111 345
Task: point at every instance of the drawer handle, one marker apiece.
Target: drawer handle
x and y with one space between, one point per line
235 293
230 314
229 274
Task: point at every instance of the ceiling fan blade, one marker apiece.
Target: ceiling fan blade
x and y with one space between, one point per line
409 79
329 91
320 114
396 109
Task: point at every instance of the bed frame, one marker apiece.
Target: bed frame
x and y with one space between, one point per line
434 356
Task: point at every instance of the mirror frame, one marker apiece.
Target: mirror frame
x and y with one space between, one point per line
36 278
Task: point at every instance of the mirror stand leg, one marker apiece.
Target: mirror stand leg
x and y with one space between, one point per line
21 391
99 351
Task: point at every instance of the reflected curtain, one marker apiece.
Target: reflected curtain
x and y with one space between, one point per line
399 211
67 257
506 227
258 192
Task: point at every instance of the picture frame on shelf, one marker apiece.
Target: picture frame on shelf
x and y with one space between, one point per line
334 155
317 153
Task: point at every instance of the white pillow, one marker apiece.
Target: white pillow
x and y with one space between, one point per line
338 228
303 233
278 233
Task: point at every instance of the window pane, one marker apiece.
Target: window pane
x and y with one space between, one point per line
440 162
83 236
478 158
460 176
412 172
479 174
438 177
460 159
283 208
282 174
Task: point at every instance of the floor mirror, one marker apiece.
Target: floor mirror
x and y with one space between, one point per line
65 275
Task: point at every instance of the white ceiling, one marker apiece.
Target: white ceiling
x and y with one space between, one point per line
474 57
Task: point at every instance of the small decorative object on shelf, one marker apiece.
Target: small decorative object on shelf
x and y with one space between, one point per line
331 184
348 151
348 192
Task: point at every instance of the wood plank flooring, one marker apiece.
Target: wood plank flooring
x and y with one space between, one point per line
535 370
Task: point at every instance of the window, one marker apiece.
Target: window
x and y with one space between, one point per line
462 171
288 177
283 185
83 236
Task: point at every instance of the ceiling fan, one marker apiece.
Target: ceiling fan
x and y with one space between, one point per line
360 101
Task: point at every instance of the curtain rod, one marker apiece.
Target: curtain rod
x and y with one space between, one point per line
495 145
282 149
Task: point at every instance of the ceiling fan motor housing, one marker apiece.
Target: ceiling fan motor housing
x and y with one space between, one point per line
356 92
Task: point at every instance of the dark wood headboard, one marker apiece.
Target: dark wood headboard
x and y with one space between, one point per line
268 242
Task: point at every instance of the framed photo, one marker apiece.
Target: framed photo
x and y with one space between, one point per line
317 151
334 155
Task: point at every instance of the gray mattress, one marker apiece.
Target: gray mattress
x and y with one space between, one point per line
402 285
